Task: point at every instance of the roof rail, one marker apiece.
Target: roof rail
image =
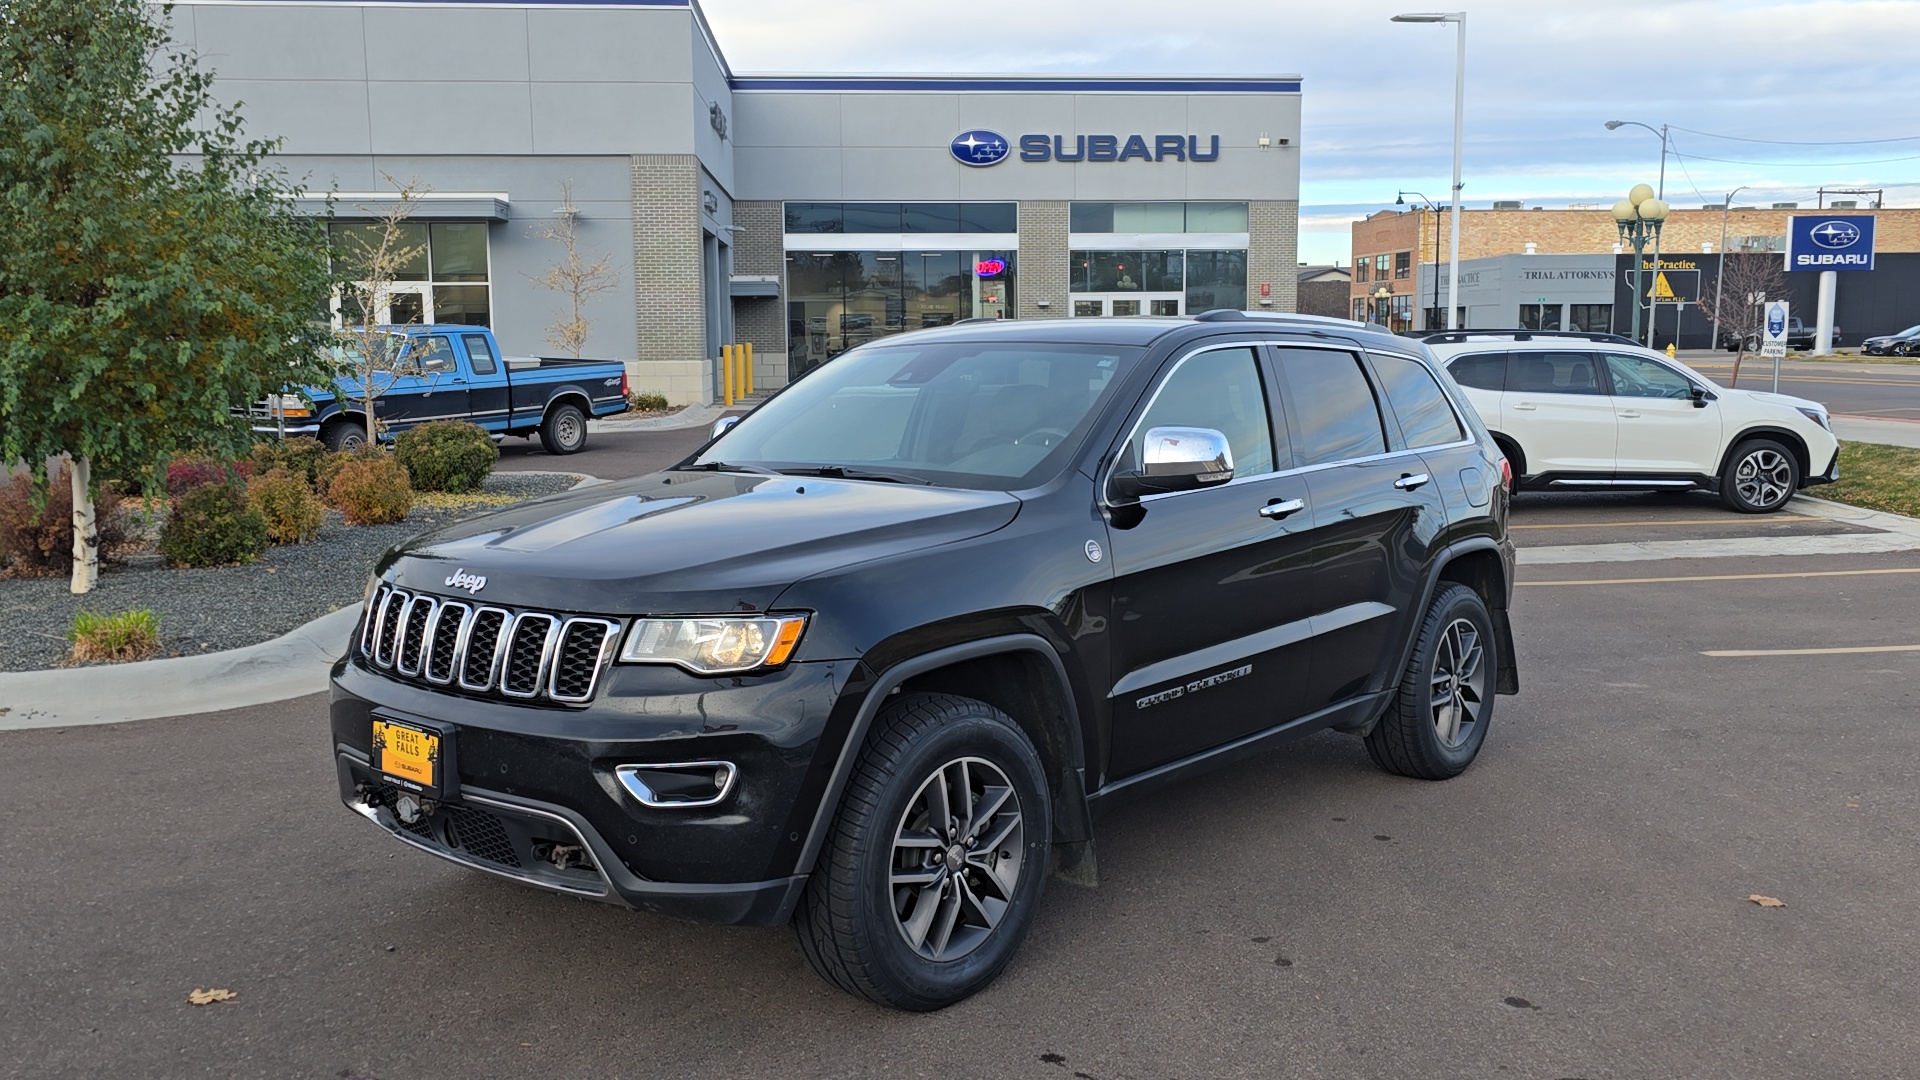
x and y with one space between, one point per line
1230 315
1454 337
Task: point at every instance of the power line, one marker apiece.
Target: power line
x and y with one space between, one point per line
1799 142
1797 164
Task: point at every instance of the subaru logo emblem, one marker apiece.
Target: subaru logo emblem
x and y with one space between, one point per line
1828 234
980 148
460 579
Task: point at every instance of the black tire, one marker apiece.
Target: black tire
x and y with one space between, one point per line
1409 740
855 918
1761 475
345 435
564 431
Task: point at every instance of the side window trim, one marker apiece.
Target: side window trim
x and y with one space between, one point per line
1138 416
485 353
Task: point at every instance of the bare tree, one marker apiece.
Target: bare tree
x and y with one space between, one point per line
371 350
1747 282
574 276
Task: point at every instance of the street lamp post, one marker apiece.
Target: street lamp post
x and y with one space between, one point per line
1459 18
1380 298
1659 193
1720 275
1639 217
1401 200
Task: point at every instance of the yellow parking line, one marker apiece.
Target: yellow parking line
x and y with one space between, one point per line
1730 519
1718 577
1810 652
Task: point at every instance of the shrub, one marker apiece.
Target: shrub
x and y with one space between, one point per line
446 455
647 401
371 491
331 464
212 525
189 471
292 513
300 455
130 635
36 536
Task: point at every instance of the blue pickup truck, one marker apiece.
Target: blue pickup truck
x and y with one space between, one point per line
457 373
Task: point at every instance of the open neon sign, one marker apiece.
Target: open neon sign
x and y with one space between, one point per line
988 268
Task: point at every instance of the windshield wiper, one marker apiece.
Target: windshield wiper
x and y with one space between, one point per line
842 472
728 466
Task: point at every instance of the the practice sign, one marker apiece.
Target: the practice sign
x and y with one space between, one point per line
1830 242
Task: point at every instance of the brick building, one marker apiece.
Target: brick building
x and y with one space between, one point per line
802 214
1394 239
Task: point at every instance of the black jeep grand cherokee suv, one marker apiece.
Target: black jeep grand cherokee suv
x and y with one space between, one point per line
874 659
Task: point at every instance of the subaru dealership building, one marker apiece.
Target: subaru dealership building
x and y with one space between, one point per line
803 214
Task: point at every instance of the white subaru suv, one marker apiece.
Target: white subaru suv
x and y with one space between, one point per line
1593 411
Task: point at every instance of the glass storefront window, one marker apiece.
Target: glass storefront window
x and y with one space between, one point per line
989 217
1217 217
1158 217
1216 279
812 219
1540 316
350 240
1126 271
1150 217
450 256
837 300
1593 318
459 250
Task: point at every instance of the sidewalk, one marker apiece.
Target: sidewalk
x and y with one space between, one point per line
1876 430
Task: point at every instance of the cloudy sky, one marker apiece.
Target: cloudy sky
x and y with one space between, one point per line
1787 95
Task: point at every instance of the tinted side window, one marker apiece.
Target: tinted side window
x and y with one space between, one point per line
1485 371
1333 405
1640 376
1426 417
1218 389
1555 373
479 352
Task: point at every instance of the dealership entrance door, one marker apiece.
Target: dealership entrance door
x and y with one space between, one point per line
1131 303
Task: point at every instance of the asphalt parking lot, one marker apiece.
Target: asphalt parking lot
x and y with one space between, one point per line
1576 905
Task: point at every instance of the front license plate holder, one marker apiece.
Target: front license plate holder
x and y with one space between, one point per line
413 756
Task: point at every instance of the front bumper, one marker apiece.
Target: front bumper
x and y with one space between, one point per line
529 792
302 428
1830 473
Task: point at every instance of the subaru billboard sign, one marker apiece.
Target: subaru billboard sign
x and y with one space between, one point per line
1830 242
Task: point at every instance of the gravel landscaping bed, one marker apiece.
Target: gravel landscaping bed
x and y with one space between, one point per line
228 607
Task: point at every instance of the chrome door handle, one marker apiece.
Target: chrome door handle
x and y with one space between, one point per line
1411 481
1525 406
1274 511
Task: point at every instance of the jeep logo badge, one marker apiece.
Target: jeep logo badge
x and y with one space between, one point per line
473 583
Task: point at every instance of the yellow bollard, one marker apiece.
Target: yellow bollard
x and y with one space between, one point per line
726 374
749 367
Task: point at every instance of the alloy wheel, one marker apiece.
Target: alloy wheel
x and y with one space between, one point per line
1459 683
1764 478
957 857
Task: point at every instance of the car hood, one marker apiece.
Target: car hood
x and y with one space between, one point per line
692 543
1783 400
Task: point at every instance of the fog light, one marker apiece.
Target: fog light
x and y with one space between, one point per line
681 786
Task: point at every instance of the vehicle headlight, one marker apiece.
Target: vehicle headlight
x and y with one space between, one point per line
1816 416
717 645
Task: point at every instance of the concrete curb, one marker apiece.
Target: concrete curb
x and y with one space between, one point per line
290 666
692 416
1894 532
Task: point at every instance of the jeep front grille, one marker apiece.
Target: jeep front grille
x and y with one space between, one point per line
528 655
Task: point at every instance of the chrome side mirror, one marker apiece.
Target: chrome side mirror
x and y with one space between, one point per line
1178 459
722 426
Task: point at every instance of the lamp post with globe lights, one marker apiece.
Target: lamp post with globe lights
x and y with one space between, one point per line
1639 217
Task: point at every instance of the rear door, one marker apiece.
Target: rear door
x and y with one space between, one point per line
1212 588
487 387
1483 376
1556 408
1661 429
1376 514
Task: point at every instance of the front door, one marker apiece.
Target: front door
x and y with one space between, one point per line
1093 305
1661 429
1211 590
1556 407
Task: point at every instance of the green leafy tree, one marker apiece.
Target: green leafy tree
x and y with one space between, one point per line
154 276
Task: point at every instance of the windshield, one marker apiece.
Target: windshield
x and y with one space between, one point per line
994 415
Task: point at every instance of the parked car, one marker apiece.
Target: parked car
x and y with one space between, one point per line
1585 412
456 373
873 659
1801 337
1904 343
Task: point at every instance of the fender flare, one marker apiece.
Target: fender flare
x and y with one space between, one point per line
560 397
1072 794
1767 431
1507 678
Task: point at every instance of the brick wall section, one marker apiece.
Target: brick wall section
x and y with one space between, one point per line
1387 233
1328 298
758 249
1043 261
1273 245
668 299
